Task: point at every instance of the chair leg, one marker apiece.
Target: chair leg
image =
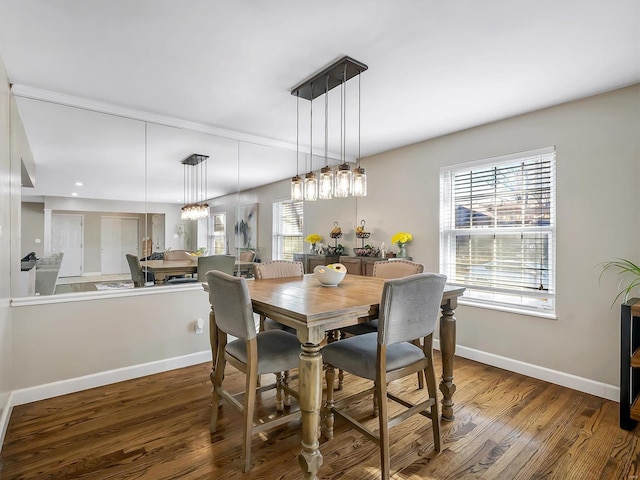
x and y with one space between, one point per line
216 381
435 415
279 402
375 411
249 404
287 396
385 460
420 377
328 420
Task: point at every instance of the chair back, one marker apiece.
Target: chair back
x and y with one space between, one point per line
278 269
137 275
247 256
231 304
409 307
396 269
222 263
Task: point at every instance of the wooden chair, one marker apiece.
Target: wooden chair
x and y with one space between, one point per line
247 256
408 310
252 353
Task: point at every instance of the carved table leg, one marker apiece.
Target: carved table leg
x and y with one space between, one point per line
310 378
447 349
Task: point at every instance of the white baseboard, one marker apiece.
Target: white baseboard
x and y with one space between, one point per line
4 418
50 390
599 389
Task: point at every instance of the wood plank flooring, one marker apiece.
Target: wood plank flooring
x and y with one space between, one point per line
507 426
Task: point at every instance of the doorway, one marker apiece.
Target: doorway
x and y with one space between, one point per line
67 236
118 237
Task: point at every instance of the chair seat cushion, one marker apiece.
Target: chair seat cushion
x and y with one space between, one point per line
277 351
362 328
270 324
357 355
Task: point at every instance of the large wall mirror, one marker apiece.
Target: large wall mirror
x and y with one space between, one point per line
107 185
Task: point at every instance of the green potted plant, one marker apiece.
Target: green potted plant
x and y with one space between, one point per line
630 273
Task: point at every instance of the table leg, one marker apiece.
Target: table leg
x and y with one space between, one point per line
447 349
310 378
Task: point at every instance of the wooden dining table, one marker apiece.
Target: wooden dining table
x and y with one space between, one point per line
312 309
162 269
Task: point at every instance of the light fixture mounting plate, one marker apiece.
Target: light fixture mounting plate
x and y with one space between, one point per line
316 85
194 159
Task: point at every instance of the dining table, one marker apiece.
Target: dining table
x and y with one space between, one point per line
162 269
313 309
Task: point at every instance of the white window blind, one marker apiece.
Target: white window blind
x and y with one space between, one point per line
497 229
287 229
217 238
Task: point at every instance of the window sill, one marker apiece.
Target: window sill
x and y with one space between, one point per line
503 308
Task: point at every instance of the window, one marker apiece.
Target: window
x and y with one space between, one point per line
287 229
497 230
217 234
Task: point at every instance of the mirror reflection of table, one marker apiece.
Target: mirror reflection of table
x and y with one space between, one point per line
310 308
162 269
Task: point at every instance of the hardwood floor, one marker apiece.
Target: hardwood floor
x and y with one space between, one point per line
507 426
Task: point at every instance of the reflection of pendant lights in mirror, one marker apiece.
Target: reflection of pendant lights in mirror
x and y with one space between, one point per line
194 169
343 182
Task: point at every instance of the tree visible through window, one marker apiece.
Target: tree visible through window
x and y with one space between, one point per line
497 229
287 229
217 244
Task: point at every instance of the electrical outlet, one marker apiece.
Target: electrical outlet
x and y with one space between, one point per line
198 326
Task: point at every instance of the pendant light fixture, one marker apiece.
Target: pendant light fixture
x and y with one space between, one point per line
326 173
310 179
359 188
342 183
296 182
194 169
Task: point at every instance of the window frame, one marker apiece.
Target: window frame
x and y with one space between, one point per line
278 246
212 235
516 297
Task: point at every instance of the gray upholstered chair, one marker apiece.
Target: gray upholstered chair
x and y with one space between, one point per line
386 270
222 263
276 269
408 310
47 273
252 353
139 276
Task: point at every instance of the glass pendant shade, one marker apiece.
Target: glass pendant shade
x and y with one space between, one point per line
359 182
326 183
310 187
297 189
343 181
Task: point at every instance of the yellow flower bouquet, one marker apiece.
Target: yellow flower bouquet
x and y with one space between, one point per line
401 238
313 238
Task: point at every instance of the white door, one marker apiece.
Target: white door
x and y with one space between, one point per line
118 237
67 237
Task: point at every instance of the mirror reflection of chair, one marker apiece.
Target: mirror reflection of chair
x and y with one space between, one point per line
408 310
252 353
247 256
47 272
139 276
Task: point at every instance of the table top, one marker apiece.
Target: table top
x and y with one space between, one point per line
169 264
297 301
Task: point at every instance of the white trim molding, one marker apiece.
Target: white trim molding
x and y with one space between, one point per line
585 385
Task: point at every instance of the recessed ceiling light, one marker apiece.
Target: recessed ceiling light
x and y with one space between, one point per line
74 194
79 184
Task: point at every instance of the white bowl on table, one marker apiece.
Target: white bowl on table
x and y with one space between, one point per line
330 275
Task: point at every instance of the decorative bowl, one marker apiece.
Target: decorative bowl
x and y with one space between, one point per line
367 251
330 275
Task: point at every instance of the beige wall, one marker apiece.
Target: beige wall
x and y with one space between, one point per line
32 228
598 168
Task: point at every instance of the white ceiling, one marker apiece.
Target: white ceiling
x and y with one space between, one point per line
435 67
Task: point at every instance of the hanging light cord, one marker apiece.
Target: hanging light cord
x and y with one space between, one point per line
297 132
359 120
326 129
